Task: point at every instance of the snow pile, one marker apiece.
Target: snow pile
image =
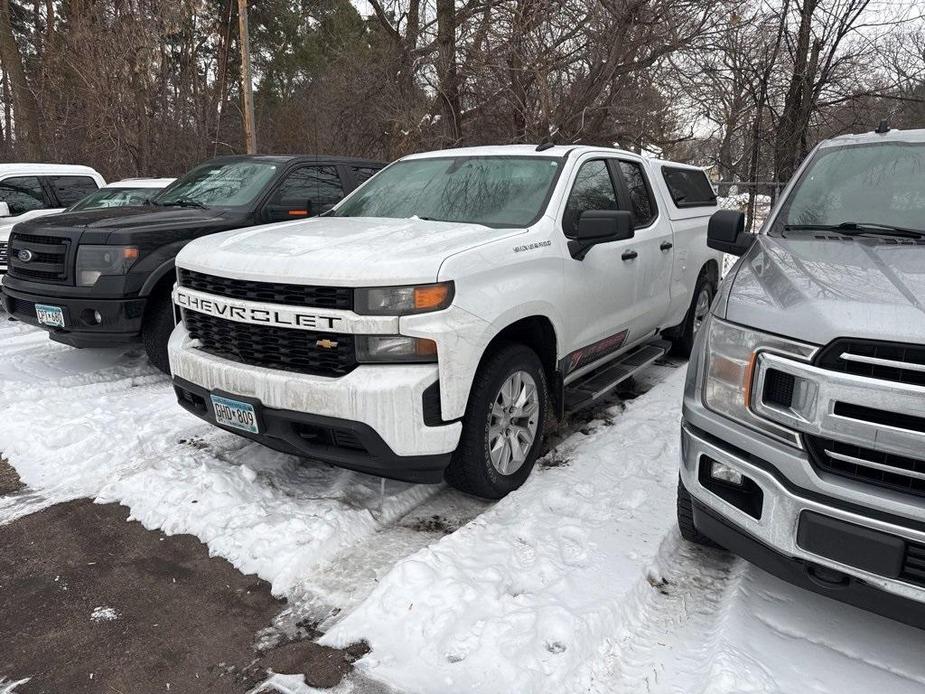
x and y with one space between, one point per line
520 598
104 614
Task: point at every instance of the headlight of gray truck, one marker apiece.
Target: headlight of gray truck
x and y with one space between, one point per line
729 370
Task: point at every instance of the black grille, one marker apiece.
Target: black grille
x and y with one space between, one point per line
270 292
48 257
4 253
913 569
897 477
778 388
830 358
272 347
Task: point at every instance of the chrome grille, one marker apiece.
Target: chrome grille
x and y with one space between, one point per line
867 465
886 361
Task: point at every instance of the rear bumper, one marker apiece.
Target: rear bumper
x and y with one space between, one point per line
858 560
120 319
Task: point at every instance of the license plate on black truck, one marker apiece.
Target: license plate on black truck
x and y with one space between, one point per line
235 414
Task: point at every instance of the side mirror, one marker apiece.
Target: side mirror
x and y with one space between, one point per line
5 210
726 232
600 226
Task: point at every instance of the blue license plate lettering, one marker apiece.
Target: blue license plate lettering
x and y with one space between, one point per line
235 414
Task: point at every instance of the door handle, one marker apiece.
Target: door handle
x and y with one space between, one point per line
666 245
629 255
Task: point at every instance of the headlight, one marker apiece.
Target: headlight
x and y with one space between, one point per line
95 261
732 352
400 301
395 348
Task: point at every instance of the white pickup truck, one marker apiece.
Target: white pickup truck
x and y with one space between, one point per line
428 325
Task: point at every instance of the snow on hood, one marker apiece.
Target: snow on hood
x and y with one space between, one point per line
338 250
816 289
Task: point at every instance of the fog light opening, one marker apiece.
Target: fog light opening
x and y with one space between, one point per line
91 317
724 473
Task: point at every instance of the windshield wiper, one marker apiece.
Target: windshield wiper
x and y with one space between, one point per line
859 228
182 202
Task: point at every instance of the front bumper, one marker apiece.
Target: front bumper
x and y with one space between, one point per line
773 542
382 408
120 319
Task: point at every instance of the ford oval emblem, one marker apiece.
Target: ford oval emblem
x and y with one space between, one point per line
25 255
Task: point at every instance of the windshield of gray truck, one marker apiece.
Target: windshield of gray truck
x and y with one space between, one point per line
493 191
219 184
868 188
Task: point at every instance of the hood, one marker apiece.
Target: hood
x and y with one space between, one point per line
126 219
818 288
344 251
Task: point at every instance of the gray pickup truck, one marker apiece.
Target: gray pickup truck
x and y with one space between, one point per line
803 434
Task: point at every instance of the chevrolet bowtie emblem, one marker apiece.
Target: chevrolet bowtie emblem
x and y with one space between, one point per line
326 344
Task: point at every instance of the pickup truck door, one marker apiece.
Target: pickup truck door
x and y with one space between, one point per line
306 191
654 242
599 309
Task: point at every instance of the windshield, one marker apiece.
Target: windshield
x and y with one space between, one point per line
219 184
114 197
880 184
493 191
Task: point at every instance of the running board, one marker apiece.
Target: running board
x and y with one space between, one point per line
590 388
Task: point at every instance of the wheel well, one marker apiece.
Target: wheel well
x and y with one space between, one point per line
535 332
711 270
163 285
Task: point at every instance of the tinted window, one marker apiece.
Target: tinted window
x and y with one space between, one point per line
494 191
319 185
22 194
70 189
641 204
361 173
593 190
689 188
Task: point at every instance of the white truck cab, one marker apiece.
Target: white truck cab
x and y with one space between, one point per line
35 190
427 325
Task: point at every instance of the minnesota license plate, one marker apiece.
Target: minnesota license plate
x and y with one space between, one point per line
235 414
52 316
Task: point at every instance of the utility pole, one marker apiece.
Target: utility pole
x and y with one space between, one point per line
247 86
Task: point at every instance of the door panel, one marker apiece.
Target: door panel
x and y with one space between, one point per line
600 290
655 244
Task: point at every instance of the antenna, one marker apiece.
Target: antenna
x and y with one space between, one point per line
544 146
883 128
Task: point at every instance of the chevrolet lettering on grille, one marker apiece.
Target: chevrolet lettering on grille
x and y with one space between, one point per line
245 313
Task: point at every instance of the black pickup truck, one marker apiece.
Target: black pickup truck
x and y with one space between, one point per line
103 277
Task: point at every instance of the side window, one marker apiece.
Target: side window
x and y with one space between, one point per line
22 194
361 173
70 189
641 204
319 185
593 190
689 187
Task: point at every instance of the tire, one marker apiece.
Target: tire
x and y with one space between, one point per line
473 468
696 313
156 329
686 519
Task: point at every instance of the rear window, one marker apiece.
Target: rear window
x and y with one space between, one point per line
689 187
70 189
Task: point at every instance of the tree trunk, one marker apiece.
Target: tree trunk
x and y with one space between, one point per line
25 110
448 88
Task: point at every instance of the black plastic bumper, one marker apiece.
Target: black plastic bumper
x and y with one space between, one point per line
817 579
340 442
120 319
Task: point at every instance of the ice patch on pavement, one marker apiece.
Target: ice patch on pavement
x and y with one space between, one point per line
9 687
104 614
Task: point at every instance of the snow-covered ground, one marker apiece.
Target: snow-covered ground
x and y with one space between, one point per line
578 582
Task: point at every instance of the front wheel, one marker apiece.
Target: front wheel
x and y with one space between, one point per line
155 332
696 316
503 426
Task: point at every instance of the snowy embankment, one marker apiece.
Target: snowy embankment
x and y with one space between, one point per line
578 582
